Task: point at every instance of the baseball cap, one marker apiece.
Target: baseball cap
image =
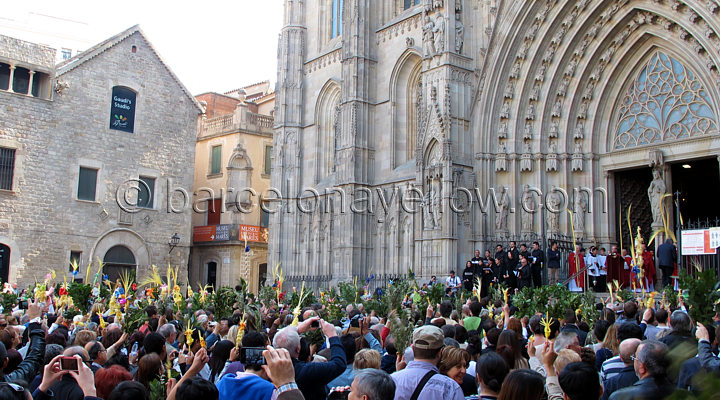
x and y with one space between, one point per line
428 337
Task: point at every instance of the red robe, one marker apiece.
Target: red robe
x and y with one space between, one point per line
627 277
614 268
649 266
580 279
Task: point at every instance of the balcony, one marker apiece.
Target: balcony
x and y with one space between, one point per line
240 120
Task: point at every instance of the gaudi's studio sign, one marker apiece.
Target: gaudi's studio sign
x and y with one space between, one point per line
122 109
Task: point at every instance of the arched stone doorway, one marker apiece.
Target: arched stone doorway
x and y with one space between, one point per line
119 260
125 238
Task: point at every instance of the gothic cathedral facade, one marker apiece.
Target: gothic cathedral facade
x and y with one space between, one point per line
409 133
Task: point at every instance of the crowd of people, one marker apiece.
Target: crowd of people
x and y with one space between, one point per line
519 267
478 348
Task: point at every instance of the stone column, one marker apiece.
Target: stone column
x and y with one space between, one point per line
12 78
30 82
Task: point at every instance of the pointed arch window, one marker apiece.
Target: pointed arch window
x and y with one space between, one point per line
337 18
665 102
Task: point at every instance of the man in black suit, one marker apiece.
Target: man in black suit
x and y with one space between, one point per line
667 256
570 325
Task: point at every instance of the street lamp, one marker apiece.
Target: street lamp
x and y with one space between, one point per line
174 241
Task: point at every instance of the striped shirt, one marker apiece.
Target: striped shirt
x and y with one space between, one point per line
611 367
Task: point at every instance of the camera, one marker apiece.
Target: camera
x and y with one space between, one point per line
315 324
253 355
69 364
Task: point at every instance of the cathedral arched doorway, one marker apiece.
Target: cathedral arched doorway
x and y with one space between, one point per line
118 261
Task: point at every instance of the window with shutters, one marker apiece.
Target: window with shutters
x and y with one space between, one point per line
7 168
87 183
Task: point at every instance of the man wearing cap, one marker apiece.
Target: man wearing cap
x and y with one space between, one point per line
421 379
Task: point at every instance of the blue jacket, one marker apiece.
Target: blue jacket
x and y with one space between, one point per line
666 254
311 377
625 378
644 389
553 258
249 387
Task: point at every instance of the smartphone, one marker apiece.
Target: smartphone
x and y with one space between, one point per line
315 324
69 364
253 355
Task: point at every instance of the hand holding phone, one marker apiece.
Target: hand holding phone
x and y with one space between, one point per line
69 364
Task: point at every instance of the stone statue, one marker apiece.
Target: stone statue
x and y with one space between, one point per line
459 33
656 191
428 44
557 108
582 112
579 208
577 158
528 132
579 131
515 71
572 65
436 204
528 212
509 90
501 219
501 158
505 111
428 220
439 35
503 131
551 164
562 89
553 214
540 76
554 130
535 92
526 158
530 114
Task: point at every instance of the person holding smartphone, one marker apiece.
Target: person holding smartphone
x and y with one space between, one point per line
254 383
31 365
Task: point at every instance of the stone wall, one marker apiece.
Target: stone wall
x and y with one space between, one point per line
26 52
46 220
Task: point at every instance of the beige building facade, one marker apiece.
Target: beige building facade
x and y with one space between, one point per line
566 111
92 151
232 174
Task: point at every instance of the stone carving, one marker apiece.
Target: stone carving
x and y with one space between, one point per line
656 191
557 108
572 65
459 33
530 35
522 53
540 76
579 208
501 158
553 214
535 92
580 51
582 111
554 130
528 131
579 131
526 158
433 4
528 209
608 54
409 42
501 219
597 72
505 111
515 71
530 114
439 35
551 164
577 158
588 93
503 130
458 6
509 90
549 54
562 89
428 35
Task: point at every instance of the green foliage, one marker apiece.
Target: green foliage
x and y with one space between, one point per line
348 293
314 337
380 307
402 328
80 294
309 298
670 297
267 295
495 293
8 301
626 295
701 293
134 317
224 299
461 296
435 294
396 295
587 308
552 300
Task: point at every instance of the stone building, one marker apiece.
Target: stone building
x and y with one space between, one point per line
88 157
444 102
232 172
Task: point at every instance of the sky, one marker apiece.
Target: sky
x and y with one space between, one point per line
212 45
